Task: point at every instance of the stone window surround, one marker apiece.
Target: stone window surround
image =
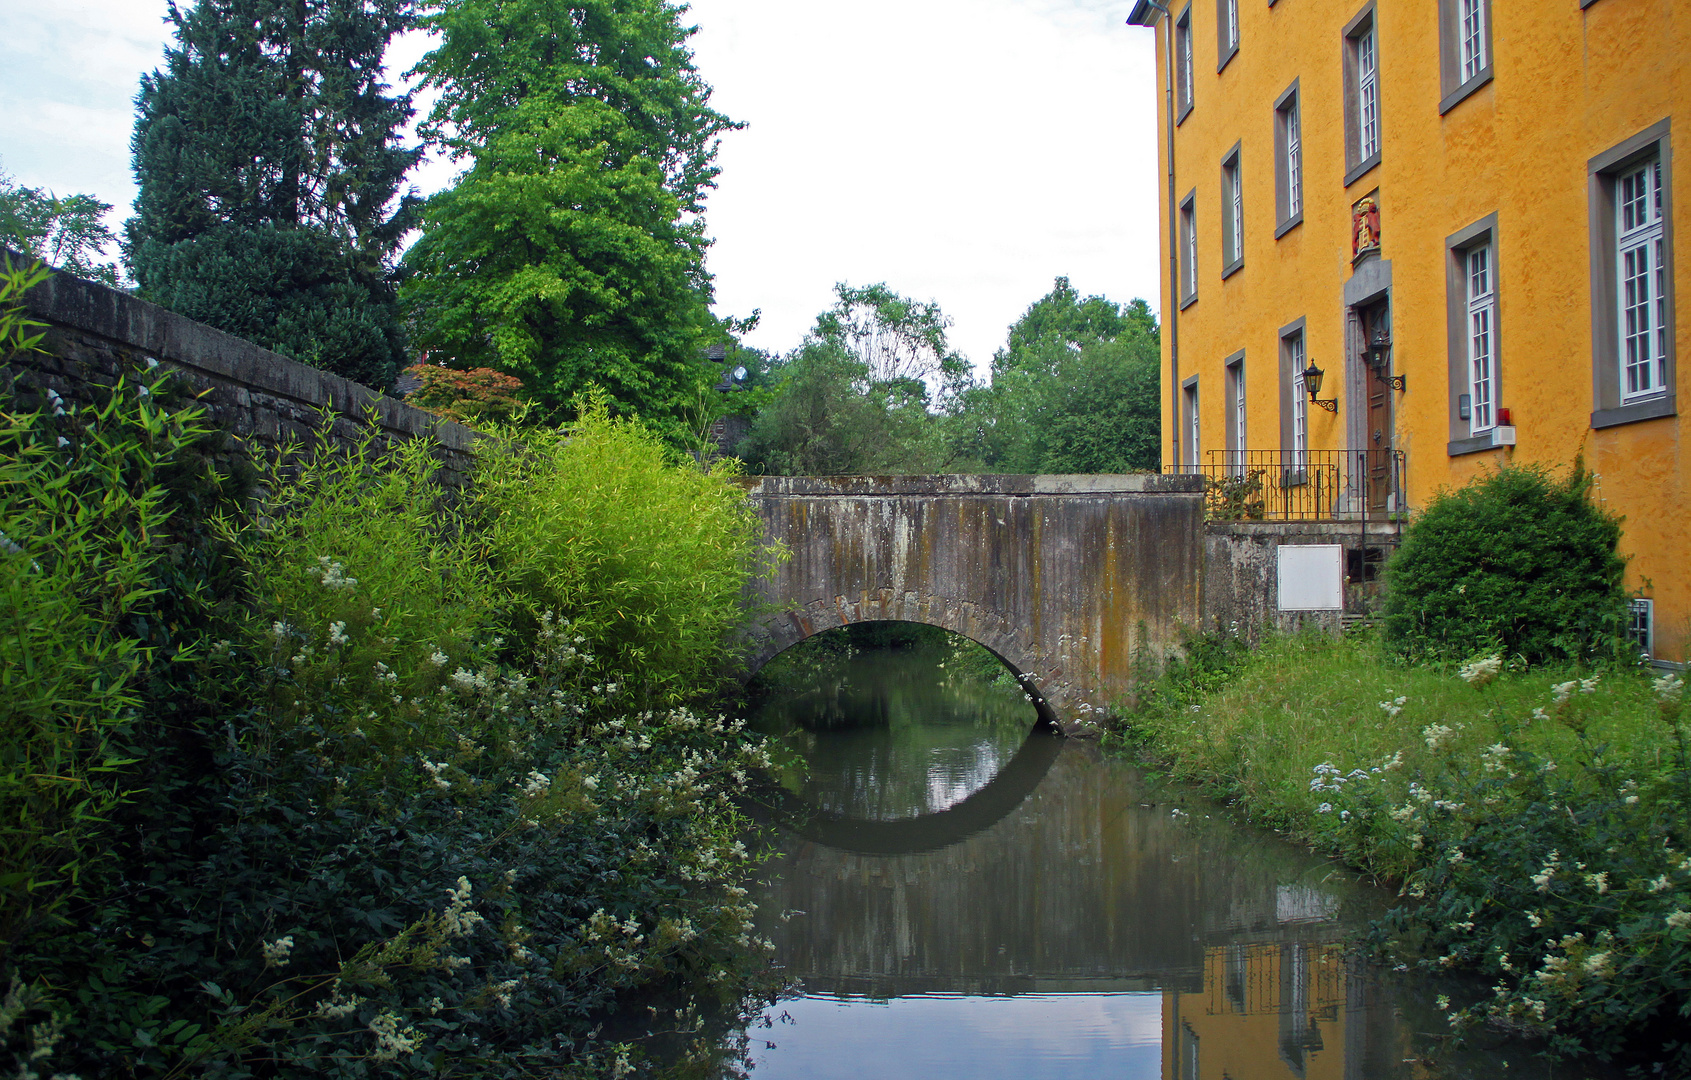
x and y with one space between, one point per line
1234 368
1224 49
1185 94
1189 419
1290 387
1188 247
1287 108
1456 247
1357 166
1451 84
1229 242
1607 410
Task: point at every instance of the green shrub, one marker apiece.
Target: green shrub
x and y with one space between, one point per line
1518 561
361 835
644 557
83 530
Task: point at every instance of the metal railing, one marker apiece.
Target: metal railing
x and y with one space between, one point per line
1301 485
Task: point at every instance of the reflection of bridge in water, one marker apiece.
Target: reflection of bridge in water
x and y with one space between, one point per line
1085 887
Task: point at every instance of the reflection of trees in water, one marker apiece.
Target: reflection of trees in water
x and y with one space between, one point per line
1081 885
884 738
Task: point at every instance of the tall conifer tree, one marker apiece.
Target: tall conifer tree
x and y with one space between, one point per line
269 169
570 252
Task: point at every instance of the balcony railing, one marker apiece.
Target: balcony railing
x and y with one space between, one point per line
1301 485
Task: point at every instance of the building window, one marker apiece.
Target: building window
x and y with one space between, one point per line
1183 62
1189 248
1471 289
1639 244
1641 624
1235 367
1193 430
1464 49
1632 280
1362 96
1232 213
1227 31
1288 162
1294 400
1482 340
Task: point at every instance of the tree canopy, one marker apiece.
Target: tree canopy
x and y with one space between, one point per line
67 232
569 254
267 156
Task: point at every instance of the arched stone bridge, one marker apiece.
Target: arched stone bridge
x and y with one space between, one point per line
1070 580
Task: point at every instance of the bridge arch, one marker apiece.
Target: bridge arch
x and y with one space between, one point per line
1070 580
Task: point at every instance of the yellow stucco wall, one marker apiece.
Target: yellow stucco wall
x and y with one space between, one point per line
1568 85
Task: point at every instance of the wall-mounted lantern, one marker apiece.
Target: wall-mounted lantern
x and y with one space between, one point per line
1379 358
1312 382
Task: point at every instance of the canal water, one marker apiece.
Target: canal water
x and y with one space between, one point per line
957 891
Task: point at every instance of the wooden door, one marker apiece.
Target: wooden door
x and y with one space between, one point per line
1381 471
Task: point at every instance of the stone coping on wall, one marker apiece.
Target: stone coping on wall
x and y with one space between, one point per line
993 484
209 357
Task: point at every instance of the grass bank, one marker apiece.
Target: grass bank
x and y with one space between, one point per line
1535 821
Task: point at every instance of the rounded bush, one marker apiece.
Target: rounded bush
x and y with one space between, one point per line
1519 561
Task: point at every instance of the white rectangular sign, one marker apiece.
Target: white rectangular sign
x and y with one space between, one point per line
1312 577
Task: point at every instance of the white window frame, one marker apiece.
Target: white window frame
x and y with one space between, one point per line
1232 212
1238 200
1189 249
1368 93
1184 91
1641 281
1195 424
1641 624
1288 161
1300 403
1472 30
1235 368
1294 162
1479 266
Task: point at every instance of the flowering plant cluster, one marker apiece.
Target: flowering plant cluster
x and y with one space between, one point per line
1566 884
376 824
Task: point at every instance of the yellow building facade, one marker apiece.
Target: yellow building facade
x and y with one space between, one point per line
1462 213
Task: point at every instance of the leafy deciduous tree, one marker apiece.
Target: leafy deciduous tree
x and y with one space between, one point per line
65 232
569 253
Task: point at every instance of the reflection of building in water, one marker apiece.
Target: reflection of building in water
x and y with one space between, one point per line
1288 1010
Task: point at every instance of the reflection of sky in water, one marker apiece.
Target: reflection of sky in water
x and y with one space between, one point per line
1047 1036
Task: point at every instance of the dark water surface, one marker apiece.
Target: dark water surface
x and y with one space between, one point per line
958 893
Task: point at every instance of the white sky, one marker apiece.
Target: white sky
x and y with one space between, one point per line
964 151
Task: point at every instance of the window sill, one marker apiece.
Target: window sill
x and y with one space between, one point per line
1188 301
1229 55
1475 445
1185 111
1455 96
1236 265
1288 225
1362 168
1649 409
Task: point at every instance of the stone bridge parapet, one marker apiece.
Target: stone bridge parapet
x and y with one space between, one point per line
1076 582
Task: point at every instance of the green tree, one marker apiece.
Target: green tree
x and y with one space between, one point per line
1075 389
67 232
269 169
858 396
570 253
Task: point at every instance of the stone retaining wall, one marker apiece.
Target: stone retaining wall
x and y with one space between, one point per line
263 399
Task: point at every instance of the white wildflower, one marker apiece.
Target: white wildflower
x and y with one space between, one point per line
1661 884
1481 671
437 658
276 952
280 630
1599 964
1436 735
391 1039
1679 920
337 633
1668 688
1563 691
457 919
1599 881
538 783
1538 713
384 674
1589 686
